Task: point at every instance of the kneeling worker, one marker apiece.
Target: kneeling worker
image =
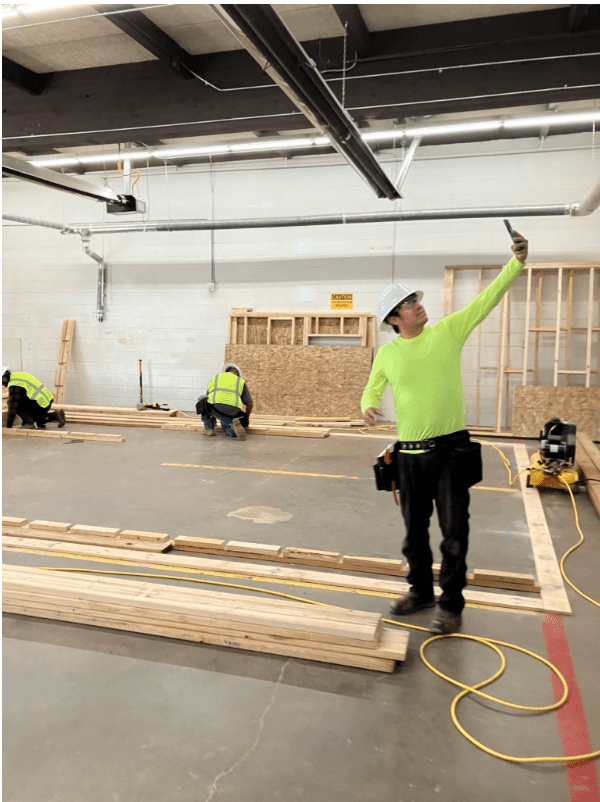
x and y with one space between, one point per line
30 400
435 459
228 394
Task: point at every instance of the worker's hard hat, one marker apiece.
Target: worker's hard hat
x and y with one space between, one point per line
228 365
5 369
392 298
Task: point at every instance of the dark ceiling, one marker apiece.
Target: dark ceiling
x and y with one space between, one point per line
505 61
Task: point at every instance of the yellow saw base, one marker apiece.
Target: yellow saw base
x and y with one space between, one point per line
538 478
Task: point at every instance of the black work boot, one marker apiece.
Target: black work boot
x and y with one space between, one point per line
410 603
445 623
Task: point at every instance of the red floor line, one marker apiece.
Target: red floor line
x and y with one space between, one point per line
582 780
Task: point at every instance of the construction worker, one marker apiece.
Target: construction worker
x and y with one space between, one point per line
30 400
435 459
228 394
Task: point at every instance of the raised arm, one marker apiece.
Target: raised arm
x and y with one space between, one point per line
462 323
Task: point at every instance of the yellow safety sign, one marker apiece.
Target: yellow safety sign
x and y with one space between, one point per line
342 300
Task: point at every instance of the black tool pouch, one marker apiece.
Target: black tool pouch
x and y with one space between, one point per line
202 406
469 462
386 470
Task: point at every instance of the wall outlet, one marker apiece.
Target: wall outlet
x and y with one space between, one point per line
211 286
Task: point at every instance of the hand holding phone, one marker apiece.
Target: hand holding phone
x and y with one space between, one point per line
519 247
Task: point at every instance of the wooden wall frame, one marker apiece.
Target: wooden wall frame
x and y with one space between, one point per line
536 276
299 328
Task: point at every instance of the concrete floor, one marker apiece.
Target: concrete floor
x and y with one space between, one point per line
95 714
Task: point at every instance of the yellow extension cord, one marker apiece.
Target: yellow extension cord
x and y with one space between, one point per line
489 642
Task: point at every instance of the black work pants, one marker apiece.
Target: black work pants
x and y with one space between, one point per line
31 412
438 476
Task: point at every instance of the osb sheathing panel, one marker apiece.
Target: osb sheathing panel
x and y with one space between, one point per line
304 380
534 406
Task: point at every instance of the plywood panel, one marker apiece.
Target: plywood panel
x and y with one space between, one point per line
295 380
534 406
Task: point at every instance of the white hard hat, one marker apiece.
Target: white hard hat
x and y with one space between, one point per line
5 369
231 365
392 298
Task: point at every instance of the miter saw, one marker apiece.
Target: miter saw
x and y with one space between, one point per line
556 457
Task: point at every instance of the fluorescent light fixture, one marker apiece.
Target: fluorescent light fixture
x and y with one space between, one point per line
280 143
169 153
54 161
434 130
554 119
21 9
89 158
17 9
276 144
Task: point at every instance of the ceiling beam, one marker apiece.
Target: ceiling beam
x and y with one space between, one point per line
359 38
261 31
31 82
142 30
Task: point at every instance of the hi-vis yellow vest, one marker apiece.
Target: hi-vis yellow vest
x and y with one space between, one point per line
33 387
226 388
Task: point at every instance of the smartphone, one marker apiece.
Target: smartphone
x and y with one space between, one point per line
509 229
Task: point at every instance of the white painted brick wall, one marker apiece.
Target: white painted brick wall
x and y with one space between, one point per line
158 307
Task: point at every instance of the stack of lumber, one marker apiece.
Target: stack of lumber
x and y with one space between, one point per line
347 562
284 431
115 416
81 533
61 434
62 364
293 629
587 456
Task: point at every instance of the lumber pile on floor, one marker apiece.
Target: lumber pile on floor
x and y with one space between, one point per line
284 431
587 457
81 533
293 629
61 434
348 562
115 416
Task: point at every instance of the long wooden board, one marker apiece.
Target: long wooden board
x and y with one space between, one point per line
373 565
63 435
92 540
553 592
276 574
62 366
284 431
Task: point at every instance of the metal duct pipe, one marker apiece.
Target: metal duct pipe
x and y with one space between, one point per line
31 222
85 242
416 141
589 204
332 219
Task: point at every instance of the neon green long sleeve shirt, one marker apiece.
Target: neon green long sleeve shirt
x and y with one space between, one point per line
425 371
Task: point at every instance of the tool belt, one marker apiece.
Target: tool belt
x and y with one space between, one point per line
431 443
458 446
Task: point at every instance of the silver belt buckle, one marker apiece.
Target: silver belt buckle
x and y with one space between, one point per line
431 444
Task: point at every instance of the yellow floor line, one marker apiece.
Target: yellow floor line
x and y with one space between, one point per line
300 473
258 470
